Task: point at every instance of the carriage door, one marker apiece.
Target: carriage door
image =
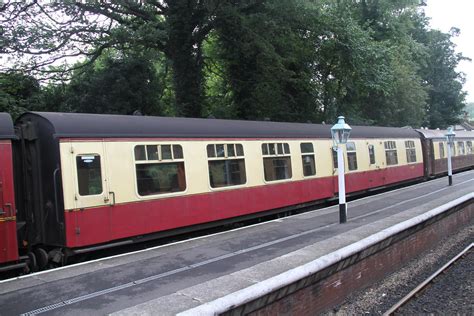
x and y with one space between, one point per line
91 187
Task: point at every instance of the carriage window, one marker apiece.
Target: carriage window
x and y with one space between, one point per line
334 156
441 150
469 147
89 175
276 161
351 155
391 152
228 168
159 169
410 150
461 149
371 154
307 156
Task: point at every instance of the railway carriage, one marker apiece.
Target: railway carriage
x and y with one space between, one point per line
87 182
436 151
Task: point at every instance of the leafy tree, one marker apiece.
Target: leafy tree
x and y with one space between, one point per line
46 33
265 56
19 92
446 99
114 84
375 61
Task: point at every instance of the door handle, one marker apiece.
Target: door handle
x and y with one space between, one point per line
113 198
9 206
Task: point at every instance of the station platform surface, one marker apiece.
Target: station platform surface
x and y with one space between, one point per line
173 278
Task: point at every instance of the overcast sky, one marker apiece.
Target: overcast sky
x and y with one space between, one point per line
445 14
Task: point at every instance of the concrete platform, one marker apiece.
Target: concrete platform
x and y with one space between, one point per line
174 278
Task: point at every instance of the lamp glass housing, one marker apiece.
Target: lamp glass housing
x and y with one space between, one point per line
340 131
450 135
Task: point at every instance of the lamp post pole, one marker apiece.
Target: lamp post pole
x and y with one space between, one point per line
450 139
340 134
341 186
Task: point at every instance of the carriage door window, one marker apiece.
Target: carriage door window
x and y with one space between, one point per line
334 156
351 155
391 152
469 147
371 154
276 161
441 150
461 149
307 155
411 151
89 174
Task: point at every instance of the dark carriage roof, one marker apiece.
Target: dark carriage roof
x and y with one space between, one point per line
6 126
104 125
441 134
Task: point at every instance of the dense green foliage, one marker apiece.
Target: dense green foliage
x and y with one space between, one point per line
470 111
375 61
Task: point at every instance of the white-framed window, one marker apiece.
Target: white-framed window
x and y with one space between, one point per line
276 161
89 174
410 150
159 169
226 165
391 152
442 154
308 160
351 156
371 154
461 148
334 157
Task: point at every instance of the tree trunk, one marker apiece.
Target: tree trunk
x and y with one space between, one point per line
186 58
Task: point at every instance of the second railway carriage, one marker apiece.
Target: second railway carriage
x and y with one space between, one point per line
93 181
435 151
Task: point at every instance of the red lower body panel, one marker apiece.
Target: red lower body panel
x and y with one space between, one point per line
8 239
104 224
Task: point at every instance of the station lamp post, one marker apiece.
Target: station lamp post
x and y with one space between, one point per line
340 134
450 140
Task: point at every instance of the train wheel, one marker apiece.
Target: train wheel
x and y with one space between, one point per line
32 263
41 258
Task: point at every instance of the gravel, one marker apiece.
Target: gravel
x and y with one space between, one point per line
382 295
452 292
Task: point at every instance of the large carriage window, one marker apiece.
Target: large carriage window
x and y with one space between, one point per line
461 149
441 150
351 155
411 151
159 169
469 147
307 156
226 165
276 161
391 152
89 175
371 154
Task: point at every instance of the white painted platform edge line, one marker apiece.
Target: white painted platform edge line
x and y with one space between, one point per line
255 291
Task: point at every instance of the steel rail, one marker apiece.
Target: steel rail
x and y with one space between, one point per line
426 282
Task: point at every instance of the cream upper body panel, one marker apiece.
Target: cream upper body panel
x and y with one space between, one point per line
119 175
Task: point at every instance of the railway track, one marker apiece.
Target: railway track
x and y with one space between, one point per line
427 282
